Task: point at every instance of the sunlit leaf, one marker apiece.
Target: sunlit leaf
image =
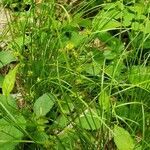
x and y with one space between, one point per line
43 104
147 27
8 103
9 81
6 57
123 139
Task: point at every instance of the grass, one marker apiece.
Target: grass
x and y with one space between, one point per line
83 76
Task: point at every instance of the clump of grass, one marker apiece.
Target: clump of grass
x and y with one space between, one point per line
84 75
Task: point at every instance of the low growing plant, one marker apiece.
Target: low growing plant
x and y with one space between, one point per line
83 76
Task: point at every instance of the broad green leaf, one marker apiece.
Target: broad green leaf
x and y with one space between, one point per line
92 68
9 81
10 134
126 23
137 26
104 100
140 76
78 20
138 148
67 138
40 136
106 20
77 38
146 29
113 44
85 23
127 18
62 121
109 55
8 103
123 139
111 25
20 41
139 8
6 57
89 120
44 104
114 70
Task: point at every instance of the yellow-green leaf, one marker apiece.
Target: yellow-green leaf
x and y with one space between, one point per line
104 100
123 139
9 81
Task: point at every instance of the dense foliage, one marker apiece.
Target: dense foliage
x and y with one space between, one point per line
75 75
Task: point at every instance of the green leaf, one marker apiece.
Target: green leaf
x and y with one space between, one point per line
62 121
85 23
146 29
44 104
78 20
114 70
1 81
20 41
66 138
111 25
66 105
8 103
137 26
40 136
106 20
9 81
92 68
9 134
6 57
123 139
113 43
109 55
138 8
77 38
140 76
104 100
127 18
89 120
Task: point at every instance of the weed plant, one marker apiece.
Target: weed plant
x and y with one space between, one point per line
82 72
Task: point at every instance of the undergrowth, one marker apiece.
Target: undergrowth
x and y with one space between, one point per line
75 75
